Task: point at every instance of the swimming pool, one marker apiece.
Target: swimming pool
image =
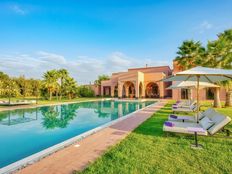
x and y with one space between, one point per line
27 131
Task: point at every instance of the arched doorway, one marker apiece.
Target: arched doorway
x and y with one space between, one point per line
116 91
152 90
140 89
128 89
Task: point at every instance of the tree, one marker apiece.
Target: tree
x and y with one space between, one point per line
85 91
70 87
63 75
24 86
219 55
36 88
190 54
101 78
9 89
3 76
50 82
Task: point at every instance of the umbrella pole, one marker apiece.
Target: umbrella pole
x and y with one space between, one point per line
198 105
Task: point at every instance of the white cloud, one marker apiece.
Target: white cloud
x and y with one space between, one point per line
18 9
204 26
51 57
83 68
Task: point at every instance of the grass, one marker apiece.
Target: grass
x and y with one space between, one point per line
148 150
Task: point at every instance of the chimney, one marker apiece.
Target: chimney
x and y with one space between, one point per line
146 65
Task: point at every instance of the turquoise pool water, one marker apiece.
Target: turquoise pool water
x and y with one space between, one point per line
27 131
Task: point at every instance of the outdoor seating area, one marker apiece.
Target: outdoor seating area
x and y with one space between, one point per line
184 106
116 87
210 123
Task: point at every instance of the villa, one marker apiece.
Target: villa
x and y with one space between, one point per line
146 83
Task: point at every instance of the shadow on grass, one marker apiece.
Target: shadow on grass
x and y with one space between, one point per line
154 125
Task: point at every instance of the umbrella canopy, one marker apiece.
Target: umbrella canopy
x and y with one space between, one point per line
202 74
192 84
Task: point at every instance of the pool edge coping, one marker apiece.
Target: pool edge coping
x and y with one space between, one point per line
20 164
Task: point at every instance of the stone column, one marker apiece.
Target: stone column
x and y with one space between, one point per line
217 102
112 91
102 90
143 90
120 87
161 89
136 89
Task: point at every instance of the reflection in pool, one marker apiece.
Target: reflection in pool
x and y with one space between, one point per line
27 131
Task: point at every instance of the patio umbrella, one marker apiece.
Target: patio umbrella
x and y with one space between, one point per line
190 85
202 74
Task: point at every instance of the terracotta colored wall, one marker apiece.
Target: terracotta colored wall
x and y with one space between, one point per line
96 89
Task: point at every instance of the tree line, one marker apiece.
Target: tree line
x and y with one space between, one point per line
54 83
216 54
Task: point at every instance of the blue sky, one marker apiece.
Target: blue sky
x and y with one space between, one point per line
92 37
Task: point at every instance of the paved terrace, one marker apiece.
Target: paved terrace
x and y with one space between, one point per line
80 155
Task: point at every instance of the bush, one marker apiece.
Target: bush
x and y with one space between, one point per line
84 91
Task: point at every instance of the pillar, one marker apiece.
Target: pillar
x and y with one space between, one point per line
136 89
102 90
143 90
120 87
112 91
161 89
217 102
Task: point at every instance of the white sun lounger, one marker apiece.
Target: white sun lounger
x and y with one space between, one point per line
191 108
184 104
183 118
210 124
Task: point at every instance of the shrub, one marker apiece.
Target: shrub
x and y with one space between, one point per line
84 91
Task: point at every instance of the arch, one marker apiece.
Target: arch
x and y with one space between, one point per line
128 89
152 90
116 91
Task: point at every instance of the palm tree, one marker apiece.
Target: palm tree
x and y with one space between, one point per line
50 82
63 74
70 87
190 54
219 55
101 78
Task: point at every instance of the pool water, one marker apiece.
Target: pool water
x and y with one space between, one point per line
27 131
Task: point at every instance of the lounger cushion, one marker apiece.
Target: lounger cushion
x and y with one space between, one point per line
220 122
181 118
182 109
180 127
210 113
206 123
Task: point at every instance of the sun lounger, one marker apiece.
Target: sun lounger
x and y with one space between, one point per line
191 108
183 118
211 124
184 104
18 102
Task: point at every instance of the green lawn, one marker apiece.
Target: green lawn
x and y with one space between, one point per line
148 150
